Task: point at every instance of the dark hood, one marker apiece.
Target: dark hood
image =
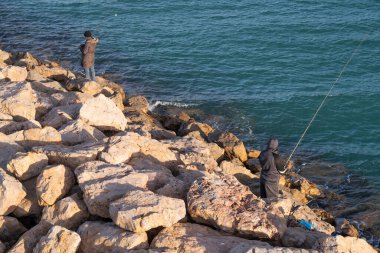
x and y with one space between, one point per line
273 145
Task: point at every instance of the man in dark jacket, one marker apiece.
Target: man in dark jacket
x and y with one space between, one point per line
269 173
88 55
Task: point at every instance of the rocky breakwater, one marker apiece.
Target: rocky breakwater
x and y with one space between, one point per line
85 168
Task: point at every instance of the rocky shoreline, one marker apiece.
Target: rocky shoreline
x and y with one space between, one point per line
85 168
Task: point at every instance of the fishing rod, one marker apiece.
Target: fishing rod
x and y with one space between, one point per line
322 103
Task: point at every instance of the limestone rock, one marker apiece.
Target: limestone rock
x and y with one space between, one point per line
237 169
102 183
25 59
231 144
340 244
37 137
60 115
5 117
216 152
69 212
253 154
139 103
30 238
124 146
54 71
71 97
11 193
10 229
140 211
29 205
103 114
48 86
301 238
14 73
27 165
76 132
16 99
192 126
174 188
43 104
343 227
293 180
226 204
305 213
113 86
4 56
34 76
85 86
53 183
71 156
8 149
100 237
195 238
10 126
57 240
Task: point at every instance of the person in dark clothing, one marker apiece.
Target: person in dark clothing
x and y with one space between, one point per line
88 55
270 175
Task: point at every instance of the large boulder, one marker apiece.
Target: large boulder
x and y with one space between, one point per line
102 113
340 244
237 169
8 149
30 238
100 237
232 145
4 56
10 126
140 211
193 126
54 183
226 204
124 146
76 132
10 229
27 165
43 104
16 99
60 115
25 59
29 205
85 86
71 156
174 188
51 70
48 86
57 240
195 238
11 193
69 212
139 103
102 183
14 73
301 238
295 181
69 98
37 137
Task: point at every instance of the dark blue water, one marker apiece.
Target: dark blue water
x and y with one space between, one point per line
260 68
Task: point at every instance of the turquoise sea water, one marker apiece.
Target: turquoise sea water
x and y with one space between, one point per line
260 68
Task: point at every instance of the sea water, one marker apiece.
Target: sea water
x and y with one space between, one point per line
257 68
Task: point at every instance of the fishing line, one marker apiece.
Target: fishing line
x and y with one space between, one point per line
323 102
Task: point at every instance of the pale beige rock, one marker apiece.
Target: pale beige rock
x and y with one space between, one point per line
10 229
53 183
226 204
140 211
250 249
102 183
25 59
5 117
71 97
29 205
43 104
85 86
14 73
340 244
34 76
301 238
48 86
69 212
10 126
37 137
71 156
4 56
109 84
192 126
8 149
102 113
76 132
30 238
16 99
138 103
174 188
100 237
195 238
124 146
27 165
11 193
58 240
216 152
60 115
237 169
295 181
305 213
231 144
54 71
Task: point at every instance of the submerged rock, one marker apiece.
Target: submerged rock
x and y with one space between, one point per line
102 183
100 237
140 211
226 204
11 193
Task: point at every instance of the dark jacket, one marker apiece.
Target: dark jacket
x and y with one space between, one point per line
267 158
88 52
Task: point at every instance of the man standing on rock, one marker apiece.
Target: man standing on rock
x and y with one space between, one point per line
88 55
269 176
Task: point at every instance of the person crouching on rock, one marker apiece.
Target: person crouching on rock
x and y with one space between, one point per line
270 175
88 55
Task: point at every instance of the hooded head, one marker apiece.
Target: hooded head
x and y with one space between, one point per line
87 34
273 145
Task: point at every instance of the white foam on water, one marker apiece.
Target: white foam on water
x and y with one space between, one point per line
170 103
